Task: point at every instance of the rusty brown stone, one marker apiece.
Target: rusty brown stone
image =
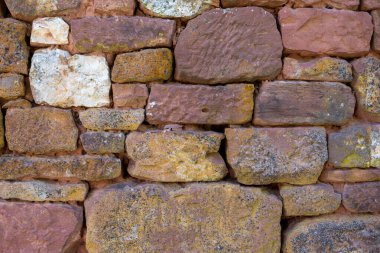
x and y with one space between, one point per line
115 7
376 31
337 4
200 104
350 175
18 103
303 103
362 197
367 5
229 45
11 86
103 142
132 95
262 3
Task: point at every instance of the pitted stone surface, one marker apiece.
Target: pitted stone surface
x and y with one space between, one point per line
115 7
262 3
362 197
11 86
103 142
49 31
337 4
376 32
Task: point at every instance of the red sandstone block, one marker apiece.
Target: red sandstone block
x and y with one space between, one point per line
132 95
362 197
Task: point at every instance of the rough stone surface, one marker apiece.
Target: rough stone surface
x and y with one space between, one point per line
103 142
2 141
43 191
303 103
334 233
376 35
362 197
262 3
370 4
115 7
317 69
366 85
121 34
309 200
31 9
337 4
35 228
260 156
226 46
176 8
40 130
18 103
309 31
59 79
85 167
175 156
49 31
200 104
350 175
212 217
132 95
101 119
11 86
144 66
14 52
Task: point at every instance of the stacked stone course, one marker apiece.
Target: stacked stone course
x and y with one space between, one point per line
189 126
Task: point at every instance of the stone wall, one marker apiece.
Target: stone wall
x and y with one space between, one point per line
190 126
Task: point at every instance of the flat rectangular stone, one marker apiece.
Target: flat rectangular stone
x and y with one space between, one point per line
350 175
262 3
115 7
337 4
200 104
362 197
134 95
367 5
376 35
303 103
11 86
103 142
49 31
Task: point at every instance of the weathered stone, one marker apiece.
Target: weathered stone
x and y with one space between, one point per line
229 45
176 8
317 69
43 191
143 66
49 31
362 197
366 85
32 9
103 142
334 233
11 86
175 156
260 156
101 119
355 146
40 130
34 228
14 52
115 7
2 141
367 5
309 200
337 4
376 31
84 167
200 104
18 103
262 3
314 31
132 95
198 217
59 79
121 34
303 103
350 175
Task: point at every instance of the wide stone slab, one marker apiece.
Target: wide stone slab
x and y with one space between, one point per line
362 197
212 217
49 31
11 86
171 156
262 3
60 79
121 34
103 142
303 103
134 95
40 130
260 156
350 175
337 4
229 45
200 104
334 233
85 167
115 7
314 31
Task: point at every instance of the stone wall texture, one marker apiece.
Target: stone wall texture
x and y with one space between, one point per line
190 126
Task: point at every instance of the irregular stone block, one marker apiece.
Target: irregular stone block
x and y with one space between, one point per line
303 103
18 103
200 104
84 167
309 200
376 31
127 33
260 156
317 69
43 191
262 3
49 31
11 86
175 156
132 95
144 66
366 85
176 8
367 5
334 233
314 31
197 217
2 142
227 46
115 7
32 227
103 142
14 52
350 175
362 197
40 130
102 119
337 4
59 79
